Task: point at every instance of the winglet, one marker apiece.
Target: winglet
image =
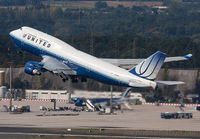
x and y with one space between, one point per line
188 56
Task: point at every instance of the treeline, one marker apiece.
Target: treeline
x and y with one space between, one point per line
179 20
18 2
111 32
120 0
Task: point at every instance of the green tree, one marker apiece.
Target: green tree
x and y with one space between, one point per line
100 5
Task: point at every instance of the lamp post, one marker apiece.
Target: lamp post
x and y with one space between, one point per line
10 78
10 87
111 96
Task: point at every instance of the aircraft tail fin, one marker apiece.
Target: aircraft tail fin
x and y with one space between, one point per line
149 68
126 94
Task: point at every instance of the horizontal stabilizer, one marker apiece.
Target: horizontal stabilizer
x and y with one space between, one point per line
140 84
167 83
178 58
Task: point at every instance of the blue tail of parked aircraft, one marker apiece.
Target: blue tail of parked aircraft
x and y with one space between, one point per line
82 101
126 94
198 90
150 67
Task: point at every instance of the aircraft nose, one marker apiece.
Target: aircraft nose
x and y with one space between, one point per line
12 33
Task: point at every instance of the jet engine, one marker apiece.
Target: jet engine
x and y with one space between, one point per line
80 102
33 68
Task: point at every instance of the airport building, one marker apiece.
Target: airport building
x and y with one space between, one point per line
65 95
2 78
46 94
3 89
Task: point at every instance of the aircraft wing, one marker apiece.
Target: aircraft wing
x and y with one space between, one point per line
166 83
56 66
129 63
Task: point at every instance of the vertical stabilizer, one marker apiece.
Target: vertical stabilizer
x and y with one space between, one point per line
126 93
150 67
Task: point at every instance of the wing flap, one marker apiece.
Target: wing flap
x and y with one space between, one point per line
56 66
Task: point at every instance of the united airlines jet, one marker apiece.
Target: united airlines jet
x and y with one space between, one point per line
64 60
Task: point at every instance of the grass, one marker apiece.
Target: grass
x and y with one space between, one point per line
91 4
60 133
121 132
57 137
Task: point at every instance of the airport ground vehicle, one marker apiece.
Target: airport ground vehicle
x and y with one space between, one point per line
21 108
136 102
176 115
198 108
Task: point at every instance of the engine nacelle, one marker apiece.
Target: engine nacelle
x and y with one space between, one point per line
32 68
80 102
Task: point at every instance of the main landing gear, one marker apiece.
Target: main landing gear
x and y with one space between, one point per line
64 77
74 79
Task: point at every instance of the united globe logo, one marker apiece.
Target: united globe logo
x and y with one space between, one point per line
24 35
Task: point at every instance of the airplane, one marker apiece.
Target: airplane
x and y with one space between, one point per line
65 61
99 103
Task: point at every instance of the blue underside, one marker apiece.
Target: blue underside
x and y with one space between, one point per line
100 100
80 69
80 102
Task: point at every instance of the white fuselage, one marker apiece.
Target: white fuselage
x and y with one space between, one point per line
44 44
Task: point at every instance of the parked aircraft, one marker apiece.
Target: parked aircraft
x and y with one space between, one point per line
99 103
62 59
